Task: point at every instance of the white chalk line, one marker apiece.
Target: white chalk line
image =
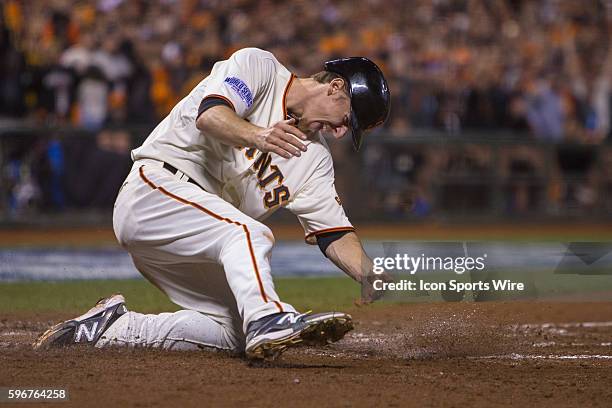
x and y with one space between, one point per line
573 329
562 325
556 344
12 333
605 344
516 356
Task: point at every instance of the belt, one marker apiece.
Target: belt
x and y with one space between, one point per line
174 170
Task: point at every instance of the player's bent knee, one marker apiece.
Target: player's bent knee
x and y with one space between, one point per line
260 232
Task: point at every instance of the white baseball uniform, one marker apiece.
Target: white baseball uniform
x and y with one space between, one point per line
195 234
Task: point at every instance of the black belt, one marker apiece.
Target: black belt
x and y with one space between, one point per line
173 170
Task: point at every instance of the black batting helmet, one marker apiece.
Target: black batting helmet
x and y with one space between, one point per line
370 98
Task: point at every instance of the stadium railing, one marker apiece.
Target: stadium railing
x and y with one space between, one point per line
59 175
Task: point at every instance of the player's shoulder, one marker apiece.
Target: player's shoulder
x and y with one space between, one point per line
319 155
322 146
250 53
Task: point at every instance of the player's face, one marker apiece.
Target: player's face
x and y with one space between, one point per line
328 112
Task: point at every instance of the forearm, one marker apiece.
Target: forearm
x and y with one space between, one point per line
223 124
348 254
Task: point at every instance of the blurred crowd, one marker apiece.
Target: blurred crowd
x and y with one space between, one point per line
538 70
542 67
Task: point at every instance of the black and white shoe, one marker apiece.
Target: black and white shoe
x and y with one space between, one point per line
269 336
85 329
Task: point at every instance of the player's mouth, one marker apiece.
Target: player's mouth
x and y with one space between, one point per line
313 127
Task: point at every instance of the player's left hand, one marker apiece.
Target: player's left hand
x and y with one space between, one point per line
283 138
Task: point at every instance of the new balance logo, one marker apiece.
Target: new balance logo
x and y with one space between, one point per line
89 334
290 318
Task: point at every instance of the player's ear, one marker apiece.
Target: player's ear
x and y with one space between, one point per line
336 85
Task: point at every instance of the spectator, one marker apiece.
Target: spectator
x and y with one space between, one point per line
542 70
544 110
79 57
454 64
92 96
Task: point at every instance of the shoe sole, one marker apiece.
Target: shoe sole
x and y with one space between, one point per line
47 339
319 333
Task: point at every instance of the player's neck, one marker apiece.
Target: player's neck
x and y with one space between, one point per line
300 91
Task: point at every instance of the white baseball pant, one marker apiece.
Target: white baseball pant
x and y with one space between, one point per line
206 255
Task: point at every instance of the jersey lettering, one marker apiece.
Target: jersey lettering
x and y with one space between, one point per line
250 153
262 163
280 194
275 175
241 89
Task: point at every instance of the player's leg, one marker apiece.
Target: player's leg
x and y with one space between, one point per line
211 323
210 319
109 323
181 330
172 229
167 221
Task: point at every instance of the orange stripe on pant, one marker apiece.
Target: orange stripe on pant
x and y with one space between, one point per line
218 217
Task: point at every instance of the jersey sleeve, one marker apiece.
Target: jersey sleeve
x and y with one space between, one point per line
317 205
239 81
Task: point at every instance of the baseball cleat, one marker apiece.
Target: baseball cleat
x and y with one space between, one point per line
269 336
85 329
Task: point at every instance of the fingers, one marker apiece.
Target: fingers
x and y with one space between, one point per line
286 125
281 147
279 151
282 139
361 302
290 135
292 141
369 294
279 141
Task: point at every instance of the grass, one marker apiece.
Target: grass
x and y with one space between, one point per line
317 294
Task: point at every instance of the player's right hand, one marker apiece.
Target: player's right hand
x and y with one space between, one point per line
281 138
368 293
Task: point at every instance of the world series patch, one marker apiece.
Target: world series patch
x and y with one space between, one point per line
241 89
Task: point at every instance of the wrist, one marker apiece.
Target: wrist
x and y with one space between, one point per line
255 137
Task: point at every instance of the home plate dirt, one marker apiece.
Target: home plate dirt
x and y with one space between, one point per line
446 354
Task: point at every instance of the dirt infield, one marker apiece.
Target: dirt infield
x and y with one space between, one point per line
452 354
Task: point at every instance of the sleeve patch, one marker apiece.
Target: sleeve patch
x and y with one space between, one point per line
241 89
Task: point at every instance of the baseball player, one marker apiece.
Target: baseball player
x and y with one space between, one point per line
248 140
